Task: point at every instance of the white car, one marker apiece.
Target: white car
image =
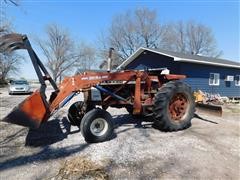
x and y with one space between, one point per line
19 87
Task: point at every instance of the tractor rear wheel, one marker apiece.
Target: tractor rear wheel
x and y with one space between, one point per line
76 112
97 126
173 107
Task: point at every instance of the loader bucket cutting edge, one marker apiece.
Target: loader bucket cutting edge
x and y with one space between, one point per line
30 113
209 109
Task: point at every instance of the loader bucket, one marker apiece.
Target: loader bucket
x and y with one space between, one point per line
31 112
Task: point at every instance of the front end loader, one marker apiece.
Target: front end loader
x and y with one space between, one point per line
151 93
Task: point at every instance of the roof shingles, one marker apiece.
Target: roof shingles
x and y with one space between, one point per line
183 57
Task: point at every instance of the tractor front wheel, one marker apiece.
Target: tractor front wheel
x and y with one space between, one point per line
174 107
97 126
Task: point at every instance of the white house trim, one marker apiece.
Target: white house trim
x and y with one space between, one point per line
205 62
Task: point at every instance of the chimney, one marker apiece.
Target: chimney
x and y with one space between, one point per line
109 61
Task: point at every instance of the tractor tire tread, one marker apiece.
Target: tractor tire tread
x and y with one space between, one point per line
162 120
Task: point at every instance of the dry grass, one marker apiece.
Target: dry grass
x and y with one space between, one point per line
81 168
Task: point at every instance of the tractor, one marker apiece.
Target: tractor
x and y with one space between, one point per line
163 97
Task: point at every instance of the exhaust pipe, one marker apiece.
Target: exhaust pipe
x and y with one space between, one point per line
109 61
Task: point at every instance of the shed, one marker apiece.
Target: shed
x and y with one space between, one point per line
211 75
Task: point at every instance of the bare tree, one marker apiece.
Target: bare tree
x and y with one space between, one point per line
148 28
103 52
201 40
5 27
130 30
175 38
133 29
87 56
5 24
14 2
9 63
191 38
59 51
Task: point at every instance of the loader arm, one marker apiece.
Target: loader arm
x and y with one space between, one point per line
83 82
36 108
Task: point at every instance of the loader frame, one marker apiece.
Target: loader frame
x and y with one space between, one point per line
141 86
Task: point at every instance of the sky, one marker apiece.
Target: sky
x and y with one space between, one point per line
86 19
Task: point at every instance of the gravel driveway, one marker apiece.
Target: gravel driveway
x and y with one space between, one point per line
209 149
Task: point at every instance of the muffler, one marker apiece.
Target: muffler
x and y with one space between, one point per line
109 61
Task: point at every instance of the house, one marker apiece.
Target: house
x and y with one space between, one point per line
212 75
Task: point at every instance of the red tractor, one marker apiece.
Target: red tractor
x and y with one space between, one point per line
163 97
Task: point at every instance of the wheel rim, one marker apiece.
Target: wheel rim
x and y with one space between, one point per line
178 107
99 127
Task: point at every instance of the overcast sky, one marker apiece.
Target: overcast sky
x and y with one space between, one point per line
85 19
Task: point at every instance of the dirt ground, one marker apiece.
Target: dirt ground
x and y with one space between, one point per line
209 149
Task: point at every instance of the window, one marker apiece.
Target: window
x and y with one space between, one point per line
237 80
214 79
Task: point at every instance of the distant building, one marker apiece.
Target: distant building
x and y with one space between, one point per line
212 75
